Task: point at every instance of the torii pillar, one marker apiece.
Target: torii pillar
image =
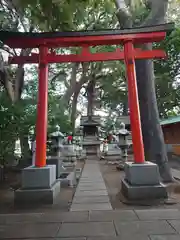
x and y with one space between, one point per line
39 184
142 179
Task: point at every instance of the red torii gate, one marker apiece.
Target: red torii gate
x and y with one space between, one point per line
126 37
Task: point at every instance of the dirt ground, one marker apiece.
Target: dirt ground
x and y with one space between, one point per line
12 182
112 178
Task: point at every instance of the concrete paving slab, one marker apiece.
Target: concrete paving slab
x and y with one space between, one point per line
94 199
155 214
91 188
91 193
175 224
165 237
90 206
104 238
65 217
91 182
68 238
19 218
91 185
88 229
29 230
92 225
83 238
90 177
119 215
143 227
135 237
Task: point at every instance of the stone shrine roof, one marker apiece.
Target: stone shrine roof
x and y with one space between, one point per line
93 121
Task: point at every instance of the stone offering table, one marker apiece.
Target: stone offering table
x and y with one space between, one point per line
114 153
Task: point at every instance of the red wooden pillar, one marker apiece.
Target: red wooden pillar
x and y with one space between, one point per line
138 146
42 109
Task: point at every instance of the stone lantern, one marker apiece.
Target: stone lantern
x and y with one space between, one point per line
57 139
123 141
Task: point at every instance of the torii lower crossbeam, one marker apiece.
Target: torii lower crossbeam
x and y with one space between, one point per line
87 56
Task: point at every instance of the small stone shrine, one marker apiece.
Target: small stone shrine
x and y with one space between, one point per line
91 123
91 142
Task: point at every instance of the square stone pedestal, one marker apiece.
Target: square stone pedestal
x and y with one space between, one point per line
91 148
58 162
39 186
142 181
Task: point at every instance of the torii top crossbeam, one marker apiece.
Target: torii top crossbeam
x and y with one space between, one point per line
127 37
86 38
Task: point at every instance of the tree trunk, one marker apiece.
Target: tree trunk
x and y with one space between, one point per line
151 129
69 92
152 133
9 156
77 90
25 151
74 109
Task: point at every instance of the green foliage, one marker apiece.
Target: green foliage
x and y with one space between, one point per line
62 15
20 119
57 115
167 76
8 127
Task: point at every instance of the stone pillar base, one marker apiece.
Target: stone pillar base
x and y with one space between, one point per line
39 186
142 181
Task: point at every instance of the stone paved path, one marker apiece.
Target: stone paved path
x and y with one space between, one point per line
92 224
151 224
91 192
